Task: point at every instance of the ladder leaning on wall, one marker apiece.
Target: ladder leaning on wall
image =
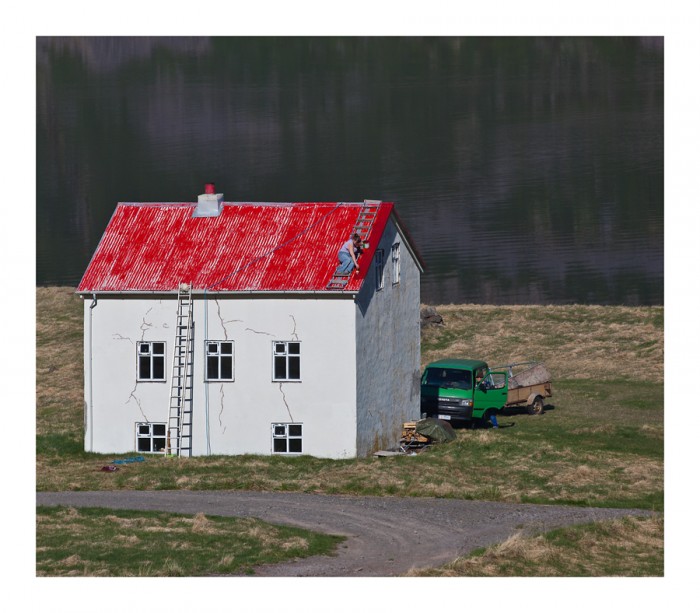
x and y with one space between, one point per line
179 437
363 227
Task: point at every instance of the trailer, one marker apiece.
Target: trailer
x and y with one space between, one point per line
529 383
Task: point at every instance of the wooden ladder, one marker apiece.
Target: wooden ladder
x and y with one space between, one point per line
179 436
363 227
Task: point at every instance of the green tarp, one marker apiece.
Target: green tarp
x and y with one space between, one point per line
437 430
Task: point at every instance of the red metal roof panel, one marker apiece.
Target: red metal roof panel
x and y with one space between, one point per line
247 247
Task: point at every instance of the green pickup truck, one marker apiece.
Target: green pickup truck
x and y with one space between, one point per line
471 391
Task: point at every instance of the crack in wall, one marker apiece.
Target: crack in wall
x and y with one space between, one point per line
221 423
258 332
143 327
284 399
144 324
138 402
294 330
221 319
223 326
118 337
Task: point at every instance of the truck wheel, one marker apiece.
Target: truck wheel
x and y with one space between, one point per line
537 406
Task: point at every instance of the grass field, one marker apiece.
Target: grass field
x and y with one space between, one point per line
599 443
629 547
153 544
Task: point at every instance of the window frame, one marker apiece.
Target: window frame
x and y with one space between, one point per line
150 436
152 357
287 356
287 437
218 355
379 270
396 263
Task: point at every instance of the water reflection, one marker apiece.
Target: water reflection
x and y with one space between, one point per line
528 170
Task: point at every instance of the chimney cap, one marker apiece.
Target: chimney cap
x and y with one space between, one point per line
209 203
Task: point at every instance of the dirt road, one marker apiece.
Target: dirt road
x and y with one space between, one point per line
386 536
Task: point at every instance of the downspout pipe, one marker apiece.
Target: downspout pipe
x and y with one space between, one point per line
89 424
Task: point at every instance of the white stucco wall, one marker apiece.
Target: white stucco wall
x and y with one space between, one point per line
388 350
228 417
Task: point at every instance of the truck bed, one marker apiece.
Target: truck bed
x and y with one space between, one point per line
520 395
528 380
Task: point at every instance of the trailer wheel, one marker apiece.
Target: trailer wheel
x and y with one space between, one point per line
537 406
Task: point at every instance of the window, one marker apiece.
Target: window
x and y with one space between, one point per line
448 377
150 437
379 269
396 262
286 438
151 361
493 381
219 360
286 361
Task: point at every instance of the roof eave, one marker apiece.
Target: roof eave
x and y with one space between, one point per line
201 292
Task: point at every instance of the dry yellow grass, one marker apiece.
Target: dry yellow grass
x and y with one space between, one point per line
59 360
623 547
576 342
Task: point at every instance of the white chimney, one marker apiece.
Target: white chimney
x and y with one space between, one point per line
209 203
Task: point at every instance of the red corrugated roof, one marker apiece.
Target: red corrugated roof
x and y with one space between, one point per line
248 247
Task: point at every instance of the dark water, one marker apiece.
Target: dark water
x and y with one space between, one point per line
527 170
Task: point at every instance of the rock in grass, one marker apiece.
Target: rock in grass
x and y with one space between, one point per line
430 317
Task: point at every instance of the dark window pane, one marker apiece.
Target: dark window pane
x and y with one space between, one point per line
279 347
295 430
226 348
226 367
144 367
279 431
294 372
144 429
293 348
212 367
280 367
158 348
143 444
158 429
212 348
279 445
144 348
295 445
159 367
158 444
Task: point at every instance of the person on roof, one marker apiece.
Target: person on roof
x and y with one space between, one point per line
347 256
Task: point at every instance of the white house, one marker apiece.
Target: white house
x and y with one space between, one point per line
281 356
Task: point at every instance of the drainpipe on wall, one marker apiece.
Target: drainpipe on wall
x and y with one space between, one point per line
88 417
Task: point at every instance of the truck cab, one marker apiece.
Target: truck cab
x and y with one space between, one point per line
448 389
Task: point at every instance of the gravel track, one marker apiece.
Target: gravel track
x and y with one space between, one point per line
386 536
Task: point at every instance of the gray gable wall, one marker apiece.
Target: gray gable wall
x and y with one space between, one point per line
388 350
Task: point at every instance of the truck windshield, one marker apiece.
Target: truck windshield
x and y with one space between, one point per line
449 377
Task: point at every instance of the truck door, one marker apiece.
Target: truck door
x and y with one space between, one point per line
491 392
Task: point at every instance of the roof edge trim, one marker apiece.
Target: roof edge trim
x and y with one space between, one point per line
200 292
